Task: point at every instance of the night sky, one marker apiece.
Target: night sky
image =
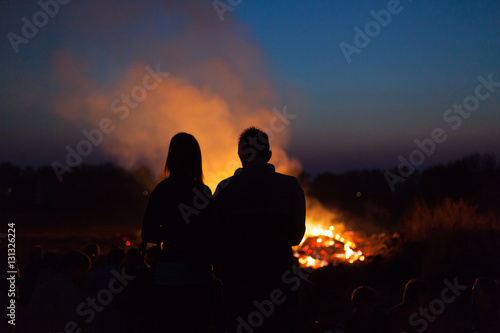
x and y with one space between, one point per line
340 84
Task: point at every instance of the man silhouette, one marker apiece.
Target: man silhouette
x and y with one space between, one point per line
260 215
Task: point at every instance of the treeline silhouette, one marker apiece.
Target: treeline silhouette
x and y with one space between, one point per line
364 195
109 193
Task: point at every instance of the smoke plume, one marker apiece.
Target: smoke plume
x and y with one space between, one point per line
216 86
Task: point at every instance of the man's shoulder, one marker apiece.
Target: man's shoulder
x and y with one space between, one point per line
222 185
287 179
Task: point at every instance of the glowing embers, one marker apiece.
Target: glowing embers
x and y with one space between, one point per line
321 247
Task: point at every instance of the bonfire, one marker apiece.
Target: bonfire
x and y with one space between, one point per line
321 247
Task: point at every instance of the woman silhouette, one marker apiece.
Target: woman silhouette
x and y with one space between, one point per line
179 218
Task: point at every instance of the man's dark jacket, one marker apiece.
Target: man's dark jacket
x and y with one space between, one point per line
260 215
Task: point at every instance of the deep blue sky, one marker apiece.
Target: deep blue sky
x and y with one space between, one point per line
396 90
362 114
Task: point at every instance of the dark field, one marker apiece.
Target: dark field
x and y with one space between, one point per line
455 256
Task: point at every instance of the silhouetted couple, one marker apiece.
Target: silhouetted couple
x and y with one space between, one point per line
243 233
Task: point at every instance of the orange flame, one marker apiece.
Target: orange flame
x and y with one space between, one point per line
325 242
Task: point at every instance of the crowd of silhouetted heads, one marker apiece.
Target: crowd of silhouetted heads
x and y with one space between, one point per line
113 292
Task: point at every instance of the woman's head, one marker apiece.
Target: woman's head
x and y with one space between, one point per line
184 157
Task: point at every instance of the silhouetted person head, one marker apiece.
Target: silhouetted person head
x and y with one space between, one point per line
253 147
366 317
364 298
484 293
75 265
115 257
152 255
416 292
184 158
93 251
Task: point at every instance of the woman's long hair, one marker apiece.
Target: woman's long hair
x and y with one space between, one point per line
184 157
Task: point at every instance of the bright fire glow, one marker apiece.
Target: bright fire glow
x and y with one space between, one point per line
321 247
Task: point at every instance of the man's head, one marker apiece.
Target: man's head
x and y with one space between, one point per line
253 147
